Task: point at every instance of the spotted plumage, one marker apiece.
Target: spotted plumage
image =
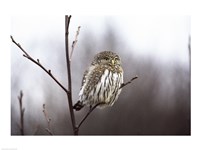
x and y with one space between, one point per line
101 81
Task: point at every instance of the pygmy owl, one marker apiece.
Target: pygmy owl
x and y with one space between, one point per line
101 81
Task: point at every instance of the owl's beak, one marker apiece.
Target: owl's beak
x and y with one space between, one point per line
113 62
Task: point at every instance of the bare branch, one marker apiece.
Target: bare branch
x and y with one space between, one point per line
25 53
74 42
49 72
125 84
89 112
48 129
69 94
22 110
37 62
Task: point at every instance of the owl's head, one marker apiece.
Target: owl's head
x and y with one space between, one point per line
107 58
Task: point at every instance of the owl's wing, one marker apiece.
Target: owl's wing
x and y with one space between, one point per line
94 76
84 77
79 105
91 78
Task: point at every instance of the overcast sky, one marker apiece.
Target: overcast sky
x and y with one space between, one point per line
163 37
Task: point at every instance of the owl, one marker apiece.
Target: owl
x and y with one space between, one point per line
101 81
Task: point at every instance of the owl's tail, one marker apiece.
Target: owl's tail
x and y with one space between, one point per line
78 106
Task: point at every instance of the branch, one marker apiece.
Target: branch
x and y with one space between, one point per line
125 84
48 129
74 42
69 94
37 62
89 112
21 113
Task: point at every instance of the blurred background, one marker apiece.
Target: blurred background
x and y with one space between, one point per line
156 48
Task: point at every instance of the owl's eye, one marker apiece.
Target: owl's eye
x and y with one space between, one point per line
106 58
117 58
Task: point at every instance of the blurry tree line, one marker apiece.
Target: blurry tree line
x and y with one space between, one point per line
157 103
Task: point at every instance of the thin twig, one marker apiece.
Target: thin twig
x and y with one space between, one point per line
125 84
37 62
69 94
74 42
48 129
21 113
89 112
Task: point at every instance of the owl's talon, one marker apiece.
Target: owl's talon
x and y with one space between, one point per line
78 106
